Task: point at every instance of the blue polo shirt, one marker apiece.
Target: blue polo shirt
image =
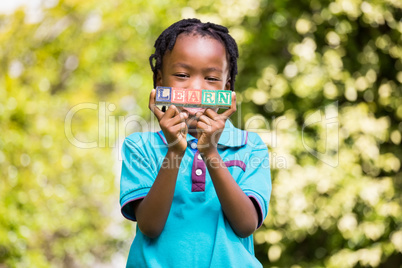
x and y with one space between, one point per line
196 233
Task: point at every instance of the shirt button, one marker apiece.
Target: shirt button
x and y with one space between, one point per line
199 156
198 172
193 145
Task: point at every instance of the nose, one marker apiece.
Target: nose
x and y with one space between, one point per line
197 83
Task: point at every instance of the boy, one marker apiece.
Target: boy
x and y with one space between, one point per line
198 188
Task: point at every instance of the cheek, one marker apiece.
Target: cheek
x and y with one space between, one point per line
170 81
165 79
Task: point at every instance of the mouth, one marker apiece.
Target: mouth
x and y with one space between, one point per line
193 111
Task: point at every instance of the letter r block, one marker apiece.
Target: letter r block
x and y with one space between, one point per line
208 98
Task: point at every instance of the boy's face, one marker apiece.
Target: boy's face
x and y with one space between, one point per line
195 62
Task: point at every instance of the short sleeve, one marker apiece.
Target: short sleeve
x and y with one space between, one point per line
256 180
137 174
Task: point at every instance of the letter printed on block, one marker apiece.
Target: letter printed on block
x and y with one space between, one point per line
224 98
178 95
208 97
163 94
193 97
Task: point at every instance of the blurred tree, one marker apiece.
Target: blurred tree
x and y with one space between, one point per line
329 75
319 80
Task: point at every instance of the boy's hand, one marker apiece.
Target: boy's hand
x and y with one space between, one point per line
210 125
172 123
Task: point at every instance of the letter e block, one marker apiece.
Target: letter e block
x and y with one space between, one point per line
178 96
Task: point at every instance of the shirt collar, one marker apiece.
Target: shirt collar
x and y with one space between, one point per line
230 137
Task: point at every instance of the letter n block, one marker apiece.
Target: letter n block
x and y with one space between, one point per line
178 96
224 98
193 97
208 98
163 95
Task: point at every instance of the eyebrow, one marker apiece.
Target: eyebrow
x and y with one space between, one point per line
186 66
183 65
212 69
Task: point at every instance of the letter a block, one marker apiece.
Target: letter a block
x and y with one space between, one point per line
193 97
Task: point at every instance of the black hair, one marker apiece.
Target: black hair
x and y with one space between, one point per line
168 38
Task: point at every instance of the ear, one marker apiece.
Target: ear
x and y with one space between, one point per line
227 85
159 79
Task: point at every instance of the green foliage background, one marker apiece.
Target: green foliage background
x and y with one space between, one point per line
319 80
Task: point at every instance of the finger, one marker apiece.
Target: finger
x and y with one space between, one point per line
203 127
178 128
152 106
228 113
197 115
171 112
205 119
211 113
184 130
181 117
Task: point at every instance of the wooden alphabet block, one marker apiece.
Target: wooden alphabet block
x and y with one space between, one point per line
163 95
193 97
178 96
224 98
208 98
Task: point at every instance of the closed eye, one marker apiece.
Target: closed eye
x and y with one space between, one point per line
213 79
181 75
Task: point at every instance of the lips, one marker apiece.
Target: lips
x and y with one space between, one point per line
193 111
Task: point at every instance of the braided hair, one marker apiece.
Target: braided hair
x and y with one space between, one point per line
168 38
